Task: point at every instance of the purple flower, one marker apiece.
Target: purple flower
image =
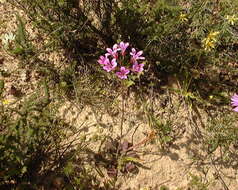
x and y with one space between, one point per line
234 102
123 47
136 55
137 67
112 62
103 60
109 66
113 51
123 73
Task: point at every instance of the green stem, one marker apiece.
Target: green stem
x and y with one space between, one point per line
123 112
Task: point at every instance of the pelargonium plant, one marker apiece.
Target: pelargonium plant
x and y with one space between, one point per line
234 102
122 60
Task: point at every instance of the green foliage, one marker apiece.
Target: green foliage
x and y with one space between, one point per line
164 131
222 133
21 32
1 87
163 187
65 23
163 128
172 33
196 183
24 139
33 147
193 40
22 45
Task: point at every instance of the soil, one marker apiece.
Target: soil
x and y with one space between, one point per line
172 166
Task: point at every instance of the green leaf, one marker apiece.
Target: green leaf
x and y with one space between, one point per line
18 51
21 32
167 139
1 86
63 84
69 168
129 83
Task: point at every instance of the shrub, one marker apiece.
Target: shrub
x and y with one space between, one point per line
34 149
177 36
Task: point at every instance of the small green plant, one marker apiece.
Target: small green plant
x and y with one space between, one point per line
118 158
196 183
18 43
163 187
222 133
162 129
34 147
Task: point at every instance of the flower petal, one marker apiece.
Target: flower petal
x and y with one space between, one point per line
115 47
133 51
121 44
139 53
141 58
109 50
236 109
114 63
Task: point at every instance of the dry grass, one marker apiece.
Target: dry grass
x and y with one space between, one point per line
169 158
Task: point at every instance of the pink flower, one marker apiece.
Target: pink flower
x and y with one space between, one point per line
234 102
136 55
113 51
115 60
123 47
123 73
103 60
137 67
109 66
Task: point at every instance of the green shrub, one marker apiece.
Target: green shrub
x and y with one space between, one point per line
35 150
185 38
222 133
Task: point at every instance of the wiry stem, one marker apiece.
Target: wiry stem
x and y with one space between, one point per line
123 112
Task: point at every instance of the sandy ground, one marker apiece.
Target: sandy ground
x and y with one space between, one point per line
172 167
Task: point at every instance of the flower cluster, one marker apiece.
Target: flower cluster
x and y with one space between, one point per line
231 19
7 39
210 41
234 102
122 60
183 17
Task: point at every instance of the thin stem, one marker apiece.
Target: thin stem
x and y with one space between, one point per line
195 66
123 112
122 118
